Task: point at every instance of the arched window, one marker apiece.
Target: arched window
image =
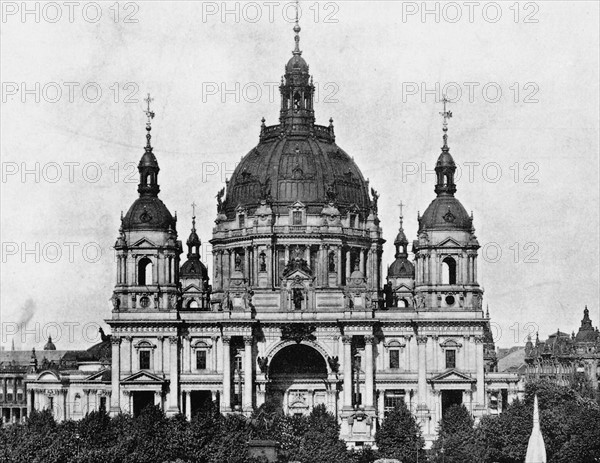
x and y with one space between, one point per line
144 272
449 271
193 304
149 179
402 303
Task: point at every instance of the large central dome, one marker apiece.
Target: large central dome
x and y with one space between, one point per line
289 167
297 160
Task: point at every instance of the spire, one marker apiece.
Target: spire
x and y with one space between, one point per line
193 241
536 450
445 166
148 166
297 30
401 242
297 89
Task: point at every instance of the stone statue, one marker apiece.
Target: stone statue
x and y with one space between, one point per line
263 262
375 199
219 197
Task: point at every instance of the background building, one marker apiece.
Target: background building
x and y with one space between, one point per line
567 360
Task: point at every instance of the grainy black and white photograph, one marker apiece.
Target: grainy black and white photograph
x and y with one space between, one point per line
299 231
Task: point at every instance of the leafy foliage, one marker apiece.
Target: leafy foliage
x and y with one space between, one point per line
400 436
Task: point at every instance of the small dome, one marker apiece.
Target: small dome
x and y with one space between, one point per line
194 239
49 345
148 213
445 160
401 268
445 213
148 159
194 268
296 64
401 238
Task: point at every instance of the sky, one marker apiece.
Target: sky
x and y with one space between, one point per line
522 78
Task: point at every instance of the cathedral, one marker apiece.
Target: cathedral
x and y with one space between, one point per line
299 310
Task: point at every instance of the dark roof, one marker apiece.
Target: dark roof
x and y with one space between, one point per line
148 213
194 268
297 167
445 213
401 268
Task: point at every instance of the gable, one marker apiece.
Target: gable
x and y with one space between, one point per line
144 243
450 243
452 376
143 377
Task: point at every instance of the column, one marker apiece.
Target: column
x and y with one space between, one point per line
348 268
480 371
474 269
115 407
173 375
339 265
369 380
269 265
158 399
128 368
226 399
187 354
248 363
362 260
422 377
247 267
30 402
188 405
347 340
213 353
159 363
287 254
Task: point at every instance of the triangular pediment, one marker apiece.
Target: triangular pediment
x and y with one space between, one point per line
144 243
142 377
452 376
192 287
450 243
403 288
298 275
99 376
298 205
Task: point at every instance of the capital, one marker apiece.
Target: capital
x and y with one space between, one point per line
173 339
115 340
369 338
248 340
421 339
479 339
226 339
347 339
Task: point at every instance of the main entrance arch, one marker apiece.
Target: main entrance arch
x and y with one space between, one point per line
298 379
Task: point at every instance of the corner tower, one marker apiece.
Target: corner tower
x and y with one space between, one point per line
146 299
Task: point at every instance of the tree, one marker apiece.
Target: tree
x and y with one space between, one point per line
456 442
400 436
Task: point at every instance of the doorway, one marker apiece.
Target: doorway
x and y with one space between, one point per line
142 399
450 398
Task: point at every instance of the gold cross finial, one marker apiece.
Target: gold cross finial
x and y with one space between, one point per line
194 209
149 114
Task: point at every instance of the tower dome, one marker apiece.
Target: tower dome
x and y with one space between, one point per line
297 160
401 267
148 212
445 212
49 345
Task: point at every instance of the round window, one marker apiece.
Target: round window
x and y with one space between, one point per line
449 300
145 301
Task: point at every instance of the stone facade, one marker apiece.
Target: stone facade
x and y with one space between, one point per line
297 312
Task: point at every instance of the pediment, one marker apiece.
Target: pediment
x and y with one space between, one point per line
298 275
143 377
98 376
450 344
450 243
298 205
403 288
192 287
144 243
48 376
452 376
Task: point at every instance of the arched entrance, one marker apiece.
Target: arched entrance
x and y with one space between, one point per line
298 379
